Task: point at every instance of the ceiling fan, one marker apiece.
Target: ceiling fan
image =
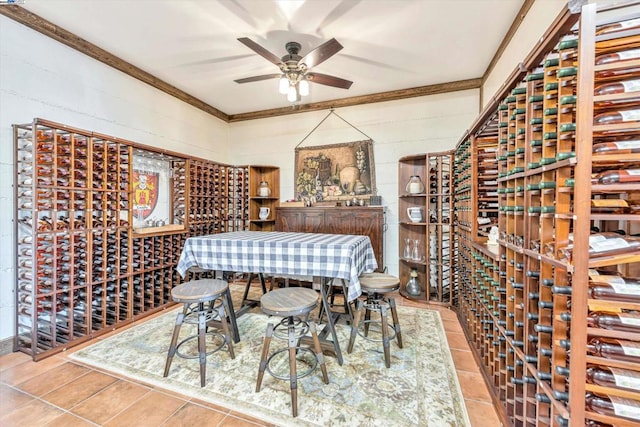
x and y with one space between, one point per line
295 72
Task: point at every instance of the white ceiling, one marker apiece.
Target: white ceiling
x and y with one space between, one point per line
388 44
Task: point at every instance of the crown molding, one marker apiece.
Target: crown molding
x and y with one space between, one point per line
360 100
517 21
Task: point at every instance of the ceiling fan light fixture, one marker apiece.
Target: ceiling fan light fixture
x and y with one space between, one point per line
295 75
283 85
292 94
303 87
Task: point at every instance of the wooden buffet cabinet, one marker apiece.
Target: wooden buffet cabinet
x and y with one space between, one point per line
368 221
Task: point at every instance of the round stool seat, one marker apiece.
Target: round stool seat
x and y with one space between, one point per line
379 283
289 301
202 290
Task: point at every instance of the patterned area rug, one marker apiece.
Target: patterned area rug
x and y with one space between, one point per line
420 388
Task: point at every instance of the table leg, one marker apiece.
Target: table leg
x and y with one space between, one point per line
247 304
330 320
232 317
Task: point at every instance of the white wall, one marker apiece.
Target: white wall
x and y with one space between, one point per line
42 78
398 128
538 19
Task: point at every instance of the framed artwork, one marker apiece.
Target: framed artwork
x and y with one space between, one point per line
151 189
335 172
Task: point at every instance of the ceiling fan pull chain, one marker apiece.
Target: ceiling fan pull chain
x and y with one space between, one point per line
331 111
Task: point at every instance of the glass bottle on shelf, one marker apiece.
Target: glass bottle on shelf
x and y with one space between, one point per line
416 255
413 286
415 185
263 189
407 248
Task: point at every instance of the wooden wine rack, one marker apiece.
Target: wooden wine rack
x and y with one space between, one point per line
525 305
82 268
433 236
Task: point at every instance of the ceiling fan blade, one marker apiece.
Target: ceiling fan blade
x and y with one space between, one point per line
260 50
321 53
258 78
325 79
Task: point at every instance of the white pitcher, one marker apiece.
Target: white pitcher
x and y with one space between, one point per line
264 213
415 214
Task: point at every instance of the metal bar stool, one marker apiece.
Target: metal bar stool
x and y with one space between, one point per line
199 298
376 286
294 305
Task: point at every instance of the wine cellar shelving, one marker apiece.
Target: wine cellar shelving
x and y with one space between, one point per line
425 230
88 259
553 312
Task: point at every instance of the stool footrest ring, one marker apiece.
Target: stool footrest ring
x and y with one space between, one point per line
376 322
312 366
195 337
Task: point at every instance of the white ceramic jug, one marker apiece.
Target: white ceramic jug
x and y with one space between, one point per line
415 214
264 213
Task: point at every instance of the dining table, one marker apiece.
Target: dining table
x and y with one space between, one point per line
327 256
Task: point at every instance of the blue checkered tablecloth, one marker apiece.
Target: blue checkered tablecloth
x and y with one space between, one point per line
341 256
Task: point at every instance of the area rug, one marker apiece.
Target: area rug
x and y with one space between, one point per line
420 388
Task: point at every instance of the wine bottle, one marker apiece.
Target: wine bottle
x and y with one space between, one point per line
618 176
542 398
605 244
561 290
625 322
616 290
613 377
617 116
624 55
611 348
613 406
546 329
625 86
544 376
618 26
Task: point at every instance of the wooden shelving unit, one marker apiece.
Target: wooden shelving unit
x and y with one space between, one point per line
425 243
269 177
86 261
530 308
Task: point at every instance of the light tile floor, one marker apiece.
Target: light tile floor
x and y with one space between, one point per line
58 392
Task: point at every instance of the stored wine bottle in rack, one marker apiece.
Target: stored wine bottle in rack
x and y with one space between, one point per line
75 262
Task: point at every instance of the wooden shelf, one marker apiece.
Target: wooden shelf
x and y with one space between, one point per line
435 171
270 177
